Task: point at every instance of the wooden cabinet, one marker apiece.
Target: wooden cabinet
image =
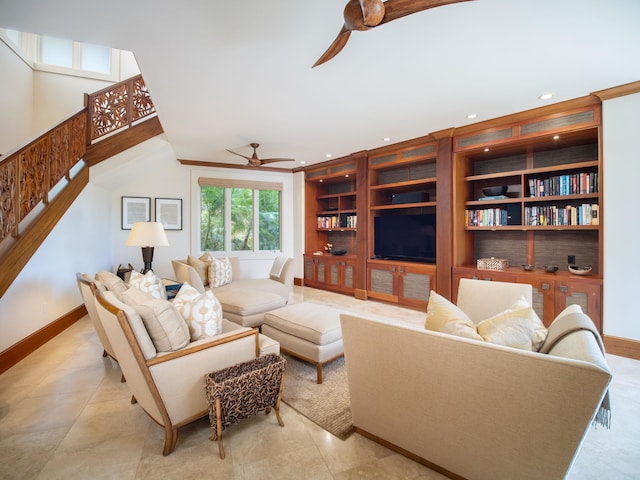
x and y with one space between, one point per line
552 292
400 282
336 273
335 204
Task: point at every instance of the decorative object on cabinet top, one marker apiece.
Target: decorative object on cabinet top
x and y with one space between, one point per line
579 270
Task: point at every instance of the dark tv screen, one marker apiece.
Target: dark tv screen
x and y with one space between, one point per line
405 237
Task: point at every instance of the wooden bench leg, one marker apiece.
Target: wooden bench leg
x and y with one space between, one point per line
319 375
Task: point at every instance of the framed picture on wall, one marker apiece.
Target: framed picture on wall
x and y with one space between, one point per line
135 209
169 213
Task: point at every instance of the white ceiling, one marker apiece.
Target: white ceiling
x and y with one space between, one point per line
226 73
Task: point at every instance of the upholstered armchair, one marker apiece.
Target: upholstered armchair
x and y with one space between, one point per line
87 288
169 385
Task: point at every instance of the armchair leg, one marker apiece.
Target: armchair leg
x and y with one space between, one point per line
170 440
122 379
104 354
133 400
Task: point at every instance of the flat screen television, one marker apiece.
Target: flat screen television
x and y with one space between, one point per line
405 237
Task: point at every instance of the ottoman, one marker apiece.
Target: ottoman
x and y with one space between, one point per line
308 331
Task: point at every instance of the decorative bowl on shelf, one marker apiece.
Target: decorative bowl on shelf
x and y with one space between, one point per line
578 270
551 268
528 268
495 191
338 252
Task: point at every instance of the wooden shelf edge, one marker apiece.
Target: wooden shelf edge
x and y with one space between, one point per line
399 206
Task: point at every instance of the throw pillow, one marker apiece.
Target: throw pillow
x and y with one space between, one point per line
201 311
519 326
201 267
443 316
167 329
220 272
148 283
112 282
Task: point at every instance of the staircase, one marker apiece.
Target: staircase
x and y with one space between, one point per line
40 180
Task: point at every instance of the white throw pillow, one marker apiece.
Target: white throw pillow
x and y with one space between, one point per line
220 272
201 311
519 327
148 283
443 316
167 329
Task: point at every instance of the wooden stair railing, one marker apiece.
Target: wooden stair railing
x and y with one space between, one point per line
112 121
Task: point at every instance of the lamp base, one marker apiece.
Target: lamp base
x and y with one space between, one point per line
147 258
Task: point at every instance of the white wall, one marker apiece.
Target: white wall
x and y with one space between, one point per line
46 288
622 227
16 86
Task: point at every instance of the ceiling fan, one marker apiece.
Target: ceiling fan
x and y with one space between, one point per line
366 14
254 161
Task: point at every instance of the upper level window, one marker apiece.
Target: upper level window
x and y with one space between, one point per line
239 216
66 56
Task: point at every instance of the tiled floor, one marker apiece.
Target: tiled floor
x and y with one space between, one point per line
64 414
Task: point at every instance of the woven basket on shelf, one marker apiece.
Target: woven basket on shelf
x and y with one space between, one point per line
493 263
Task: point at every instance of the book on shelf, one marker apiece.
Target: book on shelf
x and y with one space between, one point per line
492 197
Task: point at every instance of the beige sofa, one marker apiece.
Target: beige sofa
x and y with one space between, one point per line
245 301
472 409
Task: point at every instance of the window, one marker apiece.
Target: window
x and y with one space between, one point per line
239 216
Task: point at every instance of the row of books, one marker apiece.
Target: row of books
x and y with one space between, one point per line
573 184
585 214
337 221
488 217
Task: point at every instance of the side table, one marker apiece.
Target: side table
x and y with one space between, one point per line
245 389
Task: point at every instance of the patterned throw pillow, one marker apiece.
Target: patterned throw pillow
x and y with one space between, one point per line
202 311
220 272
148 283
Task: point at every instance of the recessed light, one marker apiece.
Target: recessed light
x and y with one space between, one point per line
328 155
471 116
346 175
486 149
386 139
302 162
556 137
545 96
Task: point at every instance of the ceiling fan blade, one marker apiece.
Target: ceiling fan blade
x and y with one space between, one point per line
271 160
239 154
372 12
337 45
401 8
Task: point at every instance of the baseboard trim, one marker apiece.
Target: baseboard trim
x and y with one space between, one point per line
623 347
410 455
30 344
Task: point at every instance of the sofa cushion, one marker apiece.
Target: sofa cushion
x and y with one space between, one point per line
201 311
112 283
444 317
220 272
148 283
201 266
518 326
166 327
248 302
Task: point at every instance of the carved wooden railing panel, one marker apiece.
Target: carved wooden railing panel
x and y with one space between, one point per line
28 174
118 106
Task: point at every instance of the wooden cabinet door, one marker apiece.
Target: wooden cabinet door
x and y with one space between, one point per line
414 285
383 282
586 294
543 297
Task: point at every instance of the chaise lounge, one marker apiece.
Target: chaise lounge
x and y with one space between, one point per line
244 301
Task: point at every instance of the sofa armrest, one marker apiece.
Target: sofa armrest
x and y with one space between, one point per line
185 273
282 271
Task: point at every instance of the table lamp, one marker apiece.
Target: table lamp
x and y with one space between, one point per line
147 235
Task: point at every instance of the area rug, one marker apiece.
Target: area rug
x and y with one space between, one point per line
327 404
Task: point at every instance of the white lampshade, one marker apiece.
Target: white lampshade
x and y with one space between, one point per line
147 234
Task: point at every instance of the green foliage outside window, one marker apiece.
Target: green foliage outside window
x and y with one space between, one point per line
212 219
